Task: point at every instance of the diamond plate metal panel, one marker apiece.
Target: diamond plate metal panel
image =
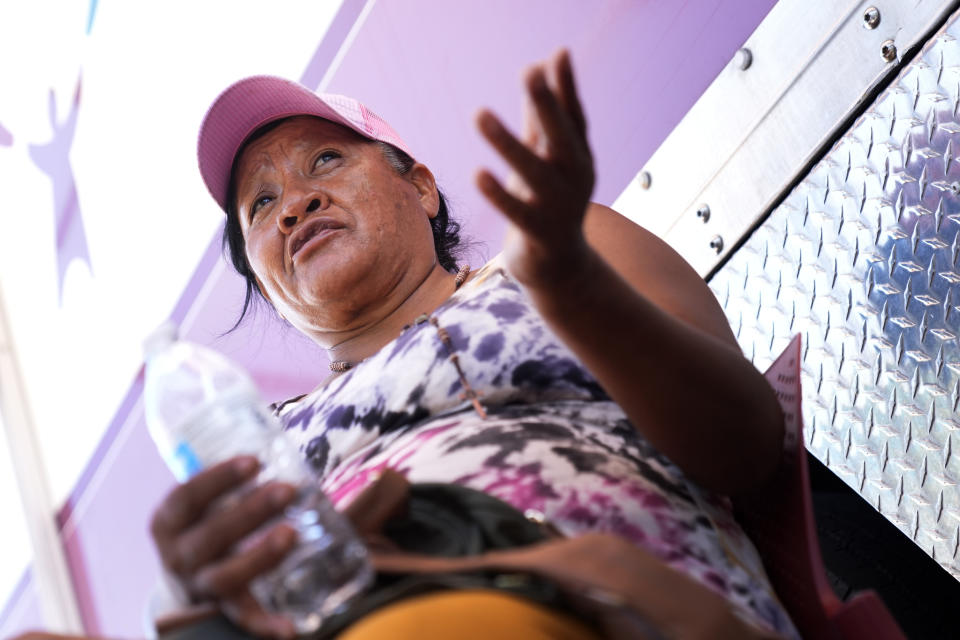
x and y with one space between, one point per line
863 259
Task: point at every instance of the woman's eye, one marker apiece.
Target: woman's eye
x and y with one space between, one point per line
325 157
259 203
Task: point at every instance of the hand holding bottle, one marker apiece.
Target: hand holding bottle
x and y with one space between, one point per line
203 546
249 527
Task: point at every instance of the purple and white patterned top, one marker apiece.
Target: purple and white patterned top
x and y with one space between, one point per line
553 440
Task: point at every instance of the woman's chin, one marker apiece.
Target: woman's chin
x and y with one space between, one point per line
332 286
321 270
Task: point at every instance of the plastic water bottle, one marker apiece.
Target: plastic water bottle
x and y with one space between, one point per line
201 409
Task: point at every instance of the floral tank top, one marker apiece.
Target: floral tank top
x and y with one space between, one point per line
551 440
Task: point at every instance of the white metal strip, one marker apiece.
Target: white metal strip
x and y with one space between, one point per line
58 601
802 72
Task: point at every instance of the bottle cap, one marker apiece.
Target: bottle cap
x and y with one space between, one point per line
162 337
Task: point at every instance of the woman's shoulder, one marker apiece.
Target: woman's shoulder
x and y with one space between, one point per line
493 267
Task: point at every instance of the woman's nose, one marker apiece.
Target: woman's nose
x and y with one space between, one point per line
298 209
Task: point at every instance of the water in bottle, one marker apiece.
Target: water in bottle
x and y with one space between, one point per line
201 409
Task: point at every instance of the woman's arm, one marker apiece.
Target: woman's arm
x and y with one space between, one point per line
653 334
636 314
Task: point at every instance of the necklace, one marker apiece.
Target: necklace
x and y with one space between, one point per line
339 366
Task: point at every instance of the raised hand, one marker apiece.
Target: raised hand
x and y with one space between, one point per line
552 177
206 543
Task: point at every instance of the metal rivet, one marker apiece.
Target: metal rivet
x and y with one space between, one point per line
955 187
871 18
645 179
888 50
704 213
743 58
716 244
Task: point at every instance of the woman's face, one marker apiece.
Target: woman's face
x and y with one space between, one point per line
331 229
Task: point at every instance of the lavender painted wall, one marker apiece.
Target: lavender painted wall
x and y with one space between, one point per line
22 610
425 65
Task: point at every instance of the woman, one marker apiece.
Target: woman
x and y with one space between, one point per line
559 377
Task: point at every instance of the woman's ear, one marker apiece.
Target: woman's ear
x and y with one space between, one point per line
422 179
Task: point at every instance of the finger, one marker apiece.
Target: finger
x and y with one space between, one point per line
558 127
246 612
567 90
531 128
234 573
218 531
531 167
188 501
518 211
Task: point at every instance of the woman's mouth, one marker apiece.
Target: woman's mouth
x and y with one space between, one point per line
311 233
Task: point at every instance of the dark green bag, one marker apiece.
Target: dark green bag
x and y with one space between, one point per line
451 521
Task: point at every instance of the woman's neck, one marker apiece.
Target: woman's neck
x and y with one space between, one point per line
361 343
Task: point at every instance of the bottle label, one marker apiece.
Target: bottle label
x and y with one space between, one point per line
235 424
186 461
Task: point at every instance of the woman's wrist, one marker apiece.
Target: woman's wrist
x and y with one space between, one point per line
559 274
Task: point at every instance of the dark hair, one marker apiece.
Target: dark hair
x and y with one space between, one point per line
446 230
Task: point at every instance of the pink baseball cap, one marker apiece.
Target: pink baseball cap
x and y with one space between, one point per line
248 104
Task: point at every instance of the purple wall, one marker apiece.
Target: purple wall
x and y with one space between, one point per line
426 66
22 609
